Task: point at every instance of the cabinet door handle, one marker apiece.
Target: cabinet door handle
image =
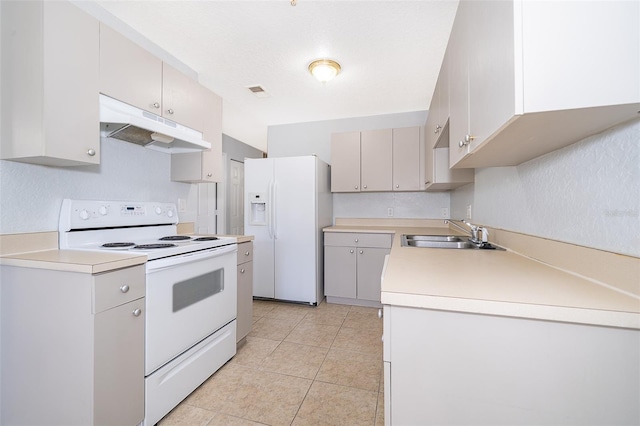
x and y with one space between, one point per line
156 105
170 111
361 252
380 313
364 186
350 251
124 288
246 253
91 152
136 312
355 187
397 186
209 174
242 271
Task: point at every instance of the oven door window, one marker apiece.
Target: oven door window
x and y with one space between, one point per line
193 290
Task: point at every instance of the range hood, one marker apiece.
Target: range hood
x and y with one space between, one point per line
130 124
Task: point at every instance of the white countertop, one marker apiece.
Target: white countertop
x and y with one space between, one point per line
89 262
495 283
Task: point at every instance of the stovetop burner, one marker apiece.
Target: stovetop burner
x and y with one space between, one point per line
206 239
154 246
118 245
176 238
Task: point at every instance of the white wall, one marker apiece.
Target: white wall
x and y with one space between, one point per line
587 193
315 138
31 195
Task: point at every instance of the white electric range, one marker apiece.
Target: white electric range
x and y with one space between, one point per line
191 290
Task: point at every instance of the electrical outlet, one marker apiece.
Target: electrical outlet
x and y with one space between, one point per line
182 205
444 212
390 212
469 211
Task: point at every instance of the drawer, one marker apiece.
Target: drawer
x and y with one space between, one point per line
357 239
115 288
245 252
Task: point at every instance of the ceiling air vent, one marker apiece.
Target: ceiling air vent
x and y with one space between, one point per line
258 91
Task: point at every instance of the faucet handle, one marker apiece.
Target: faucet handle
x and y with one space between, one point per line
485 234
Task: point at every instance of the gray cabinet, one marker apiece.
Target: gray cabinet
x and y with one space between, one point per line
353 265
376 160
50 74
73 346
245 290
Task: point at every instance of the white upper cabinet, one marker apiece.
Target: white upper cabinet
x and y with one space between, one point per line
205 166
49 87
182 98
529 77
345 162
376 166
406 155
376 160
133 75
128 72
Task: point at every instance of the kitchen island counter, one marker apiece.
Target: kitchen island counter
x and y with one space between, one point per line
493 282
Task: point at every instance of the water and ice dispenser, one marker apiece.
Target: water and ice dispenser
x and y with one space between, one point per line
258 212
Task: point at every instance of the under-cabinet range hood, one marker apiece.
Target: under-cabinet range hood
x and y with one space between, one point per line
122 121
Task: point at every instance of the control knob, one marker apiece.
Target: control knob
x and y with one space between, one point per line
84 214
170 213
158 210
103 210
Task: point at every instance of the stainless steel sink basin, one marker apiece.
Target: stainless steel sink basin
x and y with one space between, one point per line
443 241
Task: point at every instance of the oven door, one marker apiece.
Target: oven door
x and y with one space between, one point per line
188 297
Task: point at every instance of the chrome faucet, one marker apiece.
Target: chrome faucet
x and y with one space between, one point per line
472 231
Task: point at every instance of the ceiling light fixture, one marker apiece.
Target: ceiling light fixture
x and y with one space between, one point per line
324 69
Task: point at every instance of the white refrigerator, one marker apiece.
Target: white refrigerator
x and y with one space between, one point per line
288 201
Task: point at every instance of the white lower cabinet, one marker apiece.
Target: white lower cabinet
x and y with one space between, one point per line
445 368
72 347
353 265
245 290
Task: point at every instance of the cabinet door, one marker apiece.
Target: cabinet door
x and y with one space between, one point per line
345 162
212 133
128 72
119 365
459 85
245 299
376 160
370 264
406 159
181 98
71 57
491 68
340 272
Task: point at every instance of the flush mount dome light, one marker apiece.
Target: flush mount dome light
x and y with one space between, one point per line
324 69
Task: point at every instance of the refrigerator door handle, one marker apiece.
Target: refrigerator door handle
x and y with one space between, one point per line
274 211
269 209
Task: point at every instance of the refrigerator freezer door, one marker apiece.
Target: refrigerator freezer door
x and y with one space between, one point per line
295 229
258 180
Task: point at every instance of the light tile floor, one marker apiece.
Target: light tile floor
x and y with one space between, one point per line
300 365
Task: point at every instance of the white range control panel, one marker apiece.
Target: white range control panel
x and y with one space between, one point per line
88 214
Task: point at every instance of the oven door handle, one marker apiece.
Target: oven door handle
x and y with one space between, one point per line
170 262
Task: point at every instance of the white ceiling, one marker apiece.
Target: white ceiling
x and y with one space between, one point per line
390 52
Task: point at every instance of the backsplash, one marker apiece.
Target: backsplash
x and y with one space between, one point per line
587 193
406 205
31 195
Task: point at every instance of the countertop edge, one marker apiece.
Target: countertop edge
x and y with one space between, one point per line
573 315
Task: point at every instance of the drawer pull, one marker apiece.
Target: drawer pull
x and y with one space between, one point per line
380 313
242 271
356 240
246 253
124 288
137 312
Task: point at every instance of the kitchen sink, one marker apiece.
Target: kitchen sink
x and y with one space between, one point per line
444 241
